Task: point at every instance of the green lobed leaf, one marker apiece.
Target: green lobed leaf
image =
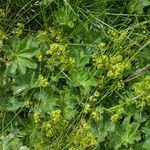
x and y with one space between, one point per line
137 6
10 104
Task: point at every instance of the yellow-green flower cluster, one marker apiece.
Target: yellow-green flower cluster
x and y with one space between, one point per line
120 84
2 35
81 137
56 115
55 125
56 34
102 45
95 116
93 98
42 36
39 57
2 13
116 35
146 97
113 33
117 114
116 59
87 108
18 29
143 86
57 55
96 94
100 61
52 35
117 67
43 82
47 127
115 117
56 47
36 117
84 124
28 104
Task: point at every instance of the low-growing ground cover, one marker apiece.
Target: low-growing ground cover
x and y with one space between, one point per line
74 75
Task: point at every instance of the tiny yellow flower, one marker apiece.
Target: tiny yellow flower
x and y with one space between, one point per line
85 124
2 13
95 116
87 108
110 74
36 117
115 117
39 56
102 45
96 94
18 30
2 35
56 115
28 104
43 82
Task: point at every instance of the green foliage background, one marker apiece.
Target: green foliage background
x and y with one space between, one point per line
65 74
